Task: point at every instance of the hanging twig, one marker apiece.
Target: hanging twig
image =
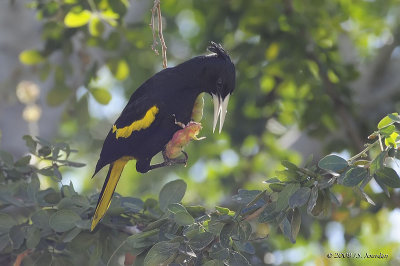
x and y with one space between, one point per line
157 9
153 26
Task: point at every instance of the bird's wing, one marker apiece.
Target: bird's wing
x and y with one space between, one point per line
138 115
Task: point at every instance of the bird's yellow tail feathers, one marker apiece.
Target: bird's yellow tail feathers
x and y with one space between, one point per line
114 173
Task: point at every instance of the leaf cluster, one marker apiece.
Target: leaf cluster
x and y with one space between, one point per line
51 225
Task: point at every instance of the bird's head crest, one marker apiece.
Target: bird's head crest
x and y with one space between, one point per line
217 48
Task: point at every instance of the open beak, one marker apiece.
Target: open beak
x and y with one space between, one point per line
220 109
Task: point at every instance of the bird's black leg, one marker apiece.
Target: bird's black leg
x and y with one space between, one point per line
169 162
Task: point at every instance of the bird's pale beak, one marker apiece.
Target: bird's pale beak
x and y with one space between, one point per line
220 109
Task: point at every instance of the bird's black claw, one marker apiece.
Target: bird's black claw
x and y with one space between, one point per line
170 162
186 157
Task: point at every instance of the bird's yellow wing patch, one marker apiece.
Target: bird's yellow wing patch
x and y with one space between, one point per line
137 125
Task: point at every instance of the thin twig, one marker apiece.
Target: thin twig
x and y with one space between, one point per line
380 142
362 152
157 9
161 36
153 27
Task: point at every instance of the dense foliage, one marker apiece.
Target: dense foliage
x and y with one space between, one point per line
52 226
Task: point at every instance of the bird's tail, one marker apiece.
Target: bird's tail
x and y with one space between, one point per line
113 175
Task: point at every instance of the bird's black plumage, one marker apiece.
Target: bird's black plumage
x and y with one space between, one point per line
172 92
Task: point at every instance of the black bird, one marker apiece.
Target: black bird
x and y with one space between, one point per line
149 120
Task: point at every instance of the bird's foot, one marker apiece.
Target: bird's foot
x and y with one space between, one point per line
170 162
182 125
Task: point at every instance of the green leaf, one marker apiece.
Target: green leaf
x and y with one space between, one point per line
295 224
68 190
57 173
63 220
102 96
17 236
245 231
213 263
133 204
269 213
70 235
313 200
44 151
161 253
386 121
219 254
359 192
77 19
378 162
32 237
326 182
57 96
395 117
289 165
286 229
30 57
276 187
83 224
392 140
6 222
387 131
30 143
225 235
246 247
300 197
354 176
142 240
333 198
4 241
237 259
196 211
284 195
333 77
272 180
52 198
23 161
222 210
172 192
176 207
40 219
382 185
48 171
122 71
183 218
201 240
389 177
332 163
96 26
245 196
